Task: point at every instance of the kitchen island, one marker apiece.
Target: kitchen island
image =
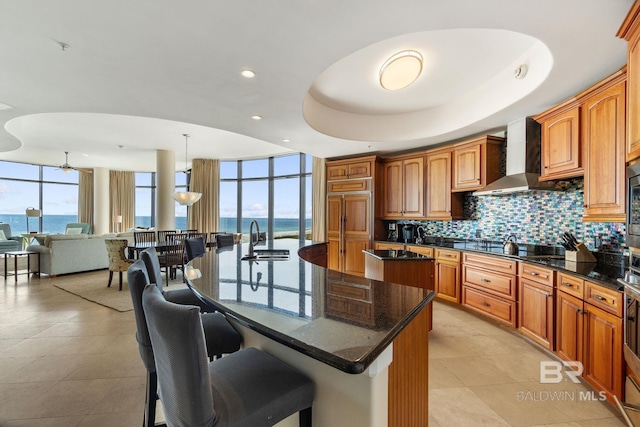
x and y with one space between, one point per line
343 331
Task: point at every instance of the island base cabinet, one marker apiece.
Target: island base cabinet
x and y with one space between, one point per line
535 312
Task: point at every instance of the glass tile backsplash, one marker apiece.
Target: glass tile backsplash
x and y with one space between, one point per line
534 217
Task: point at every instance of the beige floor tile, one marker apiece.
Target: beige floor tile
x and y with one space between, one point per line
68 398
18 399
73 421
117 365
441 377
110 420
461 407
442 346
126 396
476 370
35 347
523 367
43 369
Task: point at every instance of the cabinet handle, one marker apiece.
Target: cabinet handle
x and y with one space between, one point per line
598 297
579 311
548 295
485 280
485 304
533 273
568 285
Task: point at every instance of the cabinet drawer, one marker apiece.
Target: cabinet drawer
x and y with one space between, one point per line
495 283
420 250
571 285
490 305
496 264
349 185
447 255
607 299
540 275
359 170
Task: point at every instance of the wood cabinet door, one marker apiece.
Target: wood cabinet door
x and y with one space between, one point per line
569 327
603 359
413 188
392 189
353 257
633 94
467 167
334 253
604 139
337 172
439 185
561 150
359 170
334 216
357 215
447 281
535 312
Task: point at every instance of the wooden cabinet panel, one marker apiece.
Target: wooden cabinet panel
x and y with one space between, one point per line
535 312
339 171
413 187
538 274
439 185
357 215
423 250
604 298
603 359
630 31
476 163
604 148
561 149
349 185
447 281
334 253
492 306
569 327
353 257
334 216
447 255
350 168
359 169
390 246
392 193
500 265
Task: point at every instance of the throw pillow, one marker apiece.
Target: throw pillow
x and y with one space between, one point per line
2 236
72 230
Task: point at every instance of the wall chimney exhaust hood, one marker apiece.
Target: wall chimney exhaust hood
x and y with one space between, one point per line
523 161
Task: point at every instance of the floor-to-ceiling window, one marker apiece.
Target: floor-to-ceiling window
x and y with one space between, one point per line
49 189
145 199
275 191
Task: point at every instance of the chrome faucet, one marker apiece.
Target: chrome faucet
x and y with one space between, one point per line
251 242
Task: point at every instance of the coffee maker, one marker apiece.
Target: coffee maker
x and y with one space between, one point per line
392 234
407 233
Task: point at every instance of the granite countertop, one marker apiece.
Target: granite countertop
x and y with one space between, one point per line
606 271
396 255
342 320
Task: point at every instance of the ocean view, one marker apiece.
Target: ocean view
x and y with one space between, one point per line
56 223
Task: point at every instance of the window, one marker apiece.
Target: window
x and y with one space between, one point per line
49 189
145 200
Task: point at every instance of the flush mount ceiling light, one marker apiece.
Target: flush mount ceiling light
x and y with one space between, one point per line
401 70
248 73
186 198
256 117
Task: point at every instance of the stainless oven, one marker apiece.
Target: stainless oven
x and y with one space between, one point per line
633 206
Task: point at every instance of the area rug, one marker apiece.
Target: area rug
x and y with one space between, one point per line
92 286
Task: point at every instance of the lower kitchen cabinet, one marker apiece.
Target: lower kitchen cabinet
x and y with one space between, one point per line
536 303
447 275
593 336
388 246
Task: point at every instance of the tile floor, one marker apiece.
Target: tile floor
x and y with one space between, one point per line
65 361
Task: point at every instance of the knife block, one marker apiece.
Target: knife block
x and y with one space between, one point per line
581 254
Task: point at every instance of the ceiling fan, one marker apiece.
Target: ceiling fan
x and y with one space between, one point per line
66 167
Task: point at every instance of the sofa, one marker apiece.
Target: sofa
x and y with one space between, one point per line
72 253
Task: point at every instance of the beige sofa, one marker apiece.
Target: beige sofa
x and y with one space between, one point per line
72 253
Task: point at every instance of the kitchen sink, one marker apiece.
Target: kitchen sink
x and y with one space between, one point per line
268 255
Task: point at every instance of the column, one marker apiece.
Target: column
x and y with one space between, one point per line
165 185
101 220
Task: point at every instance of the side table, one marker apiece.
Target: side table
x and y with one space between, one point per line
30 238
16 255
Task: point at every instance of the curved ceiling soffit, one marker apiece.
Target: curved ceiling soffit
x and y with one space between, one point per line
483 97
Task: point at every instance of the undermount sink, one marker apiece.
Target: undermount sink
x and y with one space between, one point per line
268 255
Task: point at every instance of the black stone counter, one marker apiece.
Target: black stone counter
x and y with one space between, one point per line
606 271
342 320
390 254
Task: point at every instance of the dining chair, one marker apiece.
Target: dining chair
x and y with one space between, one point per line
220 337
194 247
248 388
172 258
180 296
144 237
162 234
226 239
118 262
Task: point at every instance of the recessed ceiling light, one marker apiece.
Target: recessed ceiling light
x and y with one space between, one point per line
248 74
401 70
5 106
286 140
256 117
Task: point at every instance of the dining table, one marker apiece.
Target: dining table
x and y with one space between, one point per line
364 342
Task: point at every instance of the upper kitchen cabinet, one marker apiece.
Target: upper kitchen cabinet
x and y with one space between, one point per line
630 31
603 128
403 187
561 153
441 204
362 167
476 163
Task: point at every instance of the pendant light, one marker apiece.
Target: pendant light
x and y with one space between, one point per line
186 198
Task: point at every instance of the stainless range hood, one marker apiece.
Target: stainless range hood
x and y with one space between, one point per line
523 161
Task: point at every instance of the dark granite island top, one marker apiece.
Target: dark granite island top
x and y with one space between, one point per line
341 320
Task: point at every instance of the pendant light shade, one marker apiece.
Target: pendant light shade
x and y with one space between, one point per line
186 198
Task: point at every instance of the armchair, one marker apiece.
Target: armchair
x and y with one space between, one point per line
12 243
84 226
